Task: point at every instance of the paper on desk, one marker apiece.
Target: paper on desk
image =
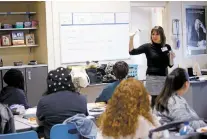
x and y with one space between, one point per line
31 112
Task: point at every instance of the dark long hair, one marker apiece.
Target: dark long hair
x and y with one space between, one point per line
174 81
161 32
14 78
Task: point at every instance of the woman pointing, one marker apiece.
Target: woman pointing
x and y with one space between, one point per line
159 56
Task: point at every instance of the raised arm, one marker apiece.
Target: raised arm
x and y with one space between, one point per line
141 49
131 42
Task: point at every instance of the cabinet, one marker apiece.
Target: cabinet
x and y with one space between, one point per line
35 81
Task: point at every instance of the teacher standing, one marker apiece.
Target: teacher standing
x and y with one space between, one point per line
158 55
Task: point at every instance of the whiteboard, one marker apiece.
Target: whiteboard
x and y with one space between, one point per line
93 36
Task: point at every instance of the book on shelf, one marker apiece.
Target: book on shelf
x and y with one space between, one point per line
6 40
18 38
30 39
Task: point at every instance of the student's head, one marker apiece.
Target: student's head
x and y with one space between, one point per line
129 101
176 81
14 78
59 80
158 35
120 70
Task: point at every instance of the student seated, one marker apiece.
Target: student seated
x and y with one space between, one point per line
60 102
170 105
13 93
120 70
6 120
128 114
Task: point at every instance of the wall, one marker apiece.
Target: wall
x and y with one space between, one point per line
172 10
52 10
40 53
175 10
141 22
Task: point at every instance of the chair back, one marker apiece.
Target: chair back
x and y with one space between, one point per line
22 135
64 131
133 71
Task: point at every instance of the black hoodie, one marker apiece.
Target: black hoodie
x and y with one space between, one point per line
11 95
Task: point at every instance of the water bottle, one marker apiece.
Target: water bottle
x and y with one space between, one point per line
171 60
186 129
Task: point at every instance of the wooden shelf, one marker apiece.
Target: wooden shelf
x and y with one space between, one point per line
17 13
18 46
5 29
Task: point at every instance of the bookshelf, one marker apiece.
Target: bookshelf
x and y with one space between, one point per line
7 29
13 31
21 11
18 46
17 13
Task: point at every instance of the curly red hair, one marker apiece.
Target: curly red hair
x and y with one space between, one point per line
129 101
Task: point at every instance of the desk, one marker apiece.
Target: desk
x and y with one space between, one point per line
22 124
21 127
24 121
196 97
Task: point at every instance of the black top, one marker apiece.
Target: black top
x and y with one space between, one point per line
57 107
157 58
11 95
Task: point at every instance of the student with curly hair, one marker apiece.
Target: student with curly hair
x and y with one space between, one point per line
120 70
128 114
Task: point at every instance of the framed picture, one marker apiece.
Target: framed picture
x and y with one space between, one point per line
195 30
30 39
6 40
18 38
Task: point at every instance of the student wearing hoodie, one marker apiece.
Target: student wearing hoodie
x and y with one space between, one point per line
13 93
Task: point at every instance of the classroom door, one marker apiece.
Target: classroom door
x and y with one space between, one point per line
36 83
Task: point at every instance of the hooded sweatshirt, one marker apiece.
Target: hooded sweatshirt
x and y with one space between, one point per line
11 95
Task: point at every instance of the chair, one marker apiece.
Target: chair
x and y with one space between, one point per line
133 69
64 131
22 135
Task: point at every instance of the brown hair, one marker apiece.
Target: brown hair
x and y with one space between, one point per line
120 69
129 101
159 30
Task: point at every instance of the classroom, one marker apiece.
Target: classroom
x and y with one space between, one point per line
103 69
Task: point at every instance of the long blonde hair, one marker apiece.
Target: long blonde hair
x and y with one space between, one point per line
129 101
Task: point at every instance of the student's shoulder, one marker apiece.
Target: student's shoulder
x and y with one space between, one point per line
112 85
147 45
20 91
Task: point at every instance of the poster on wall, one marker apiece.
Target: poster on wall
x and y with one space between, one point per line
196 31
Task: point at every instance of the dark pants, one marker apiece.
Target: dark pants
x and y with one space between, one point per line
153 100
